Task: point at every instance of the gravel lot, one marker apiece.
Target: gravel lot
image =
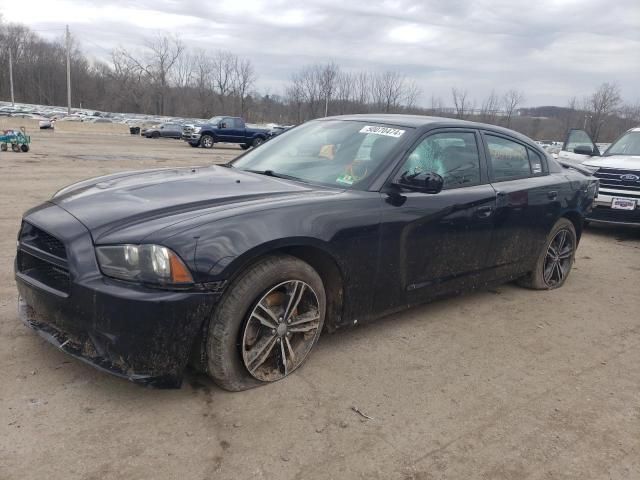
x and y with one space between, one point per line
505 384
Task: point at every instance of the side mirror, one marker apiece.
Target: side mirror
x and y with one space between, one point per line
583 150
425 182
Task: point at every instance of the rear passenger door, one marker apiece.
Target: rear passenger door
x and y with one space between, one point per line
527 202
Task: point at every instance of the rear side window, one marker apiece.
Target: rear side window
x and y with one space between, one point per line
509 160
535 160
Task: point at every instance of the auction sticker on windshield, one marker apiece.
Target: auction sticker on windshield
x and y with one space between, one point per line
386 131
620 203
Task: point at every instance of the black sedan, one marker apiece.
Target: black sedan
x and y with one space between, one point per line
239 268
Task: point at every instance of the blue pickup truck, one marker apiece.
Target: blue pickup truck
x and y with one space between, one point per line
225 130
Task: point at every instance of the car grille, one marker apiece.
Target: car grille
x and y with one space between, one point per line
611 179
44 272
37 238
607 214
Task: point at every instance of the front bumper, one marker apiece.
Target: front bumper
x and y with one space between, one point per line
139 333
191 137
603 213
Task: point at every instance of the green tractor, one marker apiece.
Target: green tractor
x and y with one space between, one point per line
18 139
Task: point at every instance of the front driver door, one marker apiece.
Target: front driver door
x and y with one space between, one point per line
225 130
436 243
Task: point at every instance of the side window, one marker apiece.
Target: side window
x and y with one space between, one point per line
237 123
454 155
535 161
509 159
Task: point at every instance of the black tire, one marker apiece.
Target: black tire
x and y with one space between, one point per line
537 279
24 147
194 145
245 146
207 141
4 147
224 338
155 135
257 142
15 147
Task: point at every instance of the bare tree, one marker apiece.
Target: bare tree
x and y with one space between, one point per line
244 79
602 104
296 96
224 68
411 93
327 76
571 114
511 100
490 108
388 90
202 82
461 102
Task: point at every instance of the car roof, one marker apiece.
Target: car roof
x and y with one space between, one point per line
418 121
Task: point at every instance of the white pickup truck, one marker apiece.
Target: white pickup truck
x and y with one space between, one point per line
618 169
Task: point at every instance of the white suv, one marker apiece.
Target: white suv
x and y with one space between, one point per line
618 169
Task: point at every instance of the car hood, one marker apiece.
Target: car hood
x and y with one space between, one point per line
623 162
160 197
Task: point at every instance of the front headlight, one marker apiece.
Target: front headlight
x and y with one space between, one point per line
197 129
143 263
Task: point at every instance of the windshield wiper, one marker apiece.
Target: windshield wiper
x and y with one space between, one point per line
271 173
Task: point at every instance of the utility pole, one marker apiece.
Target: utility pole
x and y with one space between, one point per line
68 72
13 101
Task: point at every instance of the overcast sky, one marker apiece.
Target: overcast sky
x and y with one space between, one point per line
551 50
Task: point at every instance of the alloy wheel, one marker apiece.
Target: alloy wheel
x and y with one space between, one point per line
281 330
557 262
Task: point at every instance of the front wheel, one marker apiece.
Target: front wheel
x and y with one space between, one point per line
556 259
206 141
266 324
245 146
155 135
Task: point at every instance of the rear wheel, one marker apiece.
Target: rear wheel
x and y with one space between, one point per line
24 147
556 259
155 135
15 147
206 141
258 141
266 324
3 147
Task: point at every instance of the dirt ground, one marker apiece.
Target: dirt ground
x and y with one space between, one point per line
505 384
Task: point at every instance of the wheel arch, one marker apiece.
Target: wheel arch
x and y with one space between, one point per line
578 221
310 251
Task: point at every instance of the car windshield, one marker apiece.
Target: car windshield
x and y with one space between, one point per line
333 152
214 120
628 144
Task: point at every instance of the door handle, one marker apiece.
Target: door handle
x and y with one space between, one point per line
484 212
552 195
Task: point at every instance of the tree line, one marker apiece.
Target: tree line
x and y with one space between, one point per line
165 77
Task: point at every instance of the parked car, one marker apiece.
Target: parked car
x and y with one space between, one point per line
166 130
618 169
339 221
226 130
